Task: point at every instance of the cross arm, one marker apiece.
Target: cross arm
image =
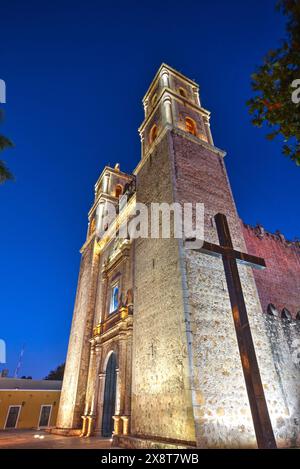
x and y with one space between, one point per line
222 251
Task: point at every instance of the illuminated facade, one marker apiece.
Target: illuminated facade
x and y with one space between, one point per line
153 354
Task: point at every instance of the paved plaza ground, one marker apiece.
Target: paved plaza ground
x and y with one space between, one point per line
27 439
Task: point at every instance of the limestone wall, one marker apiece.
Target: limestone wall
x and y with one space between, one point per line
284 339
75 378
221 408
161 397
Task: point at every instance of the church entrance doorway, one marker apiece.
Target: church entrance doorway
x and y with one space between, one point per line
109 396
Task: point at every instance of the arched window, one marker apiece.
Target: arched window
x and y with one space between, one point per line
182 92
190 126
272 310
285 314
118 190
114 297
153 133
298 315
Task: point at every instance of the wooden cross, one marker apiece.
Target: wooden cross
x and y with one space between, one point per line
258 405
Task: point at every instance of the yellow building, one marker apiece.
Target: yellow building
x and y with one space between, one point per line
27 403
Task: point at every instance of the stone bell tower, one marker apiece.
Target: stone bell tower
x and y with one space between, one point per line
79 397
188 386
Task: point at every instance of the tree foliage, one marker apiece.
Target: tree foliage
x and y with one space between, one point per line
56 374
274 85
5 173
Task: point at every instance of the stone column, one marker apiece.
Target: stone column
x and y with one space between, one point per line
89 382
167 110
104 296
145 103
118 393
164 77
101 385
84 417
126 283
91 392
117 425
196 96
94 399
142 137
122 373
99 212
106 183
127 400
84 426
207 130
121 386
125 421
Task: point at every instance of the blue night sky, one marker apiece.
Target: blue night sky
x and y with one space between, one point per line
76 73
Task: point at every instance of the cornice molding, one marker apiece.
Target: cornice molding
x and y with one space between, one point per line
176 130
173 72
168 91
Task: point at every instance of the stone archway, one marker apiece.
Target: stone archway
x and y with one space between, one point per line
109 398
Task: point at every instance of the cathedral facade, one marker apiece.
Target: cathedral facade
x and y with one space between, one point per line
153 358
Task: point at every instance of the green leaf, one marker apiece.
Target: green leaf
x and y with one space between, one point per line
5 143
5 174
287 150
